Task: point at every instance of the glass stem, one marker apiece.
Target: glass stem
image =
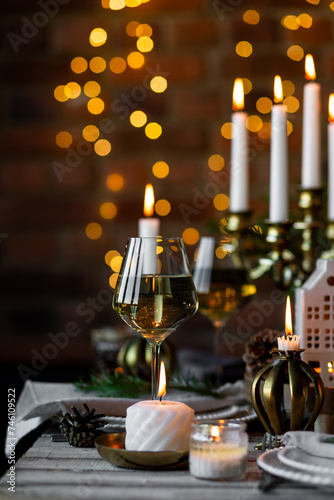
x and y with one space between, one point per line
217 341
155 368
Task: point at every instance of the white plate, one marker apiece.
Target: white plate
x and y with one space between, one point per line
299 459
270 462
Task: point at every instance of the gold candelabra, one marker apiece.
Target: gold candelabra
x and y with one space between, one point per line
280 261
310 204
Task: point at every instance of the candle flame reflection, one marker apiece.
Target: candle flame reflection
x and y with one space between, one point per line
310 73
149 200
331 108
162 380
238 95
278 89
288 319
215 432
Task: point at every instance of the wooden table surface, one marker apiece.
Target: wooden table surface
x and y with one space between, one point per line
51 470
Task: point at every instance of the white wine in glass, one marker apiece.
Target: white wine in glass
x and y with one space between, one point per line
155 292
222 283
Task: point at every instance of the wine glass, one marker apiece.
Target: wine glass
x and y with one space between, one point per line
222 282
155 292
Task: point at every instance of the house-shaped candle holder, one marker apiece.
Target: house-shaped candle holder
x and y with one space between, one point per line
314 319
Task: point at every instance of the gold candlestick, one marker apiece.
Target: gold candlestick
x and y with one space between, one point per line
310 204
280 261
238 223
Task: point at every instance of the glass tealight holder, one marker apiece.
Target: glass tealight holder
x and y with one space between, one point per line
218 450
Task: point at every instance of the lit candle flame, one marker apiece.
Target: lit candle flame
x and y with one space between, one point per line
149 200
288 319
309 67
278 89
331 108
162 380
238 95
215 431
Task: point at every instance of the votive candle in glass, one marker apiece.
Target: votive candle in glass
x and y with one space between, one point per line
218 450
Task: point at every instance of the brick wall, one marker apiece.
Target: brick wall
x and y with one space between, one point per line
48 265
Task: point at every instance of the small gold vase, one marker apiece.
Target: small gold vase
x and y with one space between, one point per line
267 393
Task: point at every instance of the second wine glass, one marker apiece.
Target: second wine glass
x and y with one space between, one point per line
155 292
222 282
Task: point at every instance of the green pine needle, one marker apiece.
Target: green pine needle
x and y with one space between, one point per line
131 386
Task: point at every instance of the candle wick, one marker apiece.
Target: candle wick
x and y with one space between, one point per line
160 399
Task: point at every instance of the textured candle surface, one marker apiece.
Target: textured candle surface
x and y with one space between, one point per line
155 426
217 461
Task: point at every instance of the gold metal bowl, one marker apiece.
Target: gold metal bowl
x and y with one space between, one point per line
111 447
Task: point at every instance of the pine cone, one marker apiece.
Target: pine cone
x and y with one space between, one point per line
258 350
81 428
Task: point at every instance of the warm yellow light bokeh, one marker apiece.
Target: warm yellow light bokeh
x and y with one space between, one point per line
117 65
295 52
98 37
288 88
244 49
247 85
265 131
289 127
254 123
92 89
162 207
331 6
160 169
227 130
95 106
264 105
113 280
292 104
64 139
305 20
90 133
135 60
313 2
158 84
138 118
93 230
251 17
115 182
131 28
132 3
116 263
216 162
102 147
144 30
72 90
116 4
59 93
110 255
153 130
290 22
145 44
221 201
97 64
108 211
190 236
79 65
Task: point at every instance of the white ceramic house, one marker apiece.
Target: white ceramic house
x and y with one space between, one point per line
314 319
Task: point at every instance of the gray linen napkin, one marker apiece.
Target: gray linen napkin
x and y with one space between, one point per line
313 443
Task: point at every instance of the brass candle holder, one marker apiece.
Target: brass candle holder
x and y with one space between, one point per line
310 204
238 223
280 261
329 254
268 399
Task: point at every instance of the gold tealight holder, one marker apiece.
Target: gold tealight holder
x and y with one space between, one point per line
286 378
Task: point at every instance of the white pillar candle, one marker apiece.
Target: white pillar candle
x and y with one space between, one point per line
311 165
278 208
239 179
331 158
158 426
